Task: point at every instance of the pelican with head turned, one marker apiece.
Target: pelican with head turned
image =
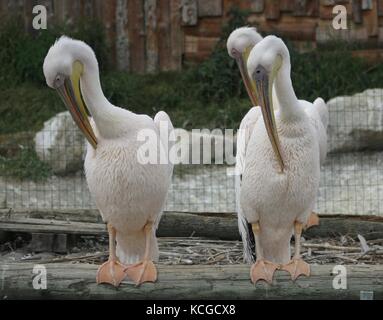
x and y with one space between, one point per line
276 189
129 194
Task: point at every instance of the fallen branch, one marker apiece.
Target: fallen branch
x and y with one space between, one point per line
77 281
331 247
177 224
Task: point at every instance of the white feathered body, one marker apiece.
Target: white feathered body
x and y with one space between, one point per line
127 193
276 200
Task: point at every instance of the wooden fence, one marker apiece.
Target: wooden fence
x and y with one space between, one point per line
158 35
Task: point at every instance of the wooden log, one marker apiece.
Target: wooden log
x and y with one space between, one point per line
77 281
176 224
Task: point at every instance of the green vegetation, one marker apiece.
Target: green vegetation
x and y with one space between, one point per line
210 95
26 165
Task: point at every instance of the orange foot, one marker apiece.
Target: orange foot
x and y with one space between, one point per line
297 267
313 220
263 270
111 272
141 272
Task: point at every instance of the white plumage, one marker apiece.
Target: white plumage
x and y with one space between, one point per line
129 195
271 201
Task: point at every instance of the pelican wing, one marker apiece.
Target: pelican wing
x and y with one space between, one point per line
243 136
163 123
162 119
318 114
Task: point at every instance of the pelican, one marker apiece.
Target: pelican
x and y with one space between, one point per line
239 45
278 161
130 195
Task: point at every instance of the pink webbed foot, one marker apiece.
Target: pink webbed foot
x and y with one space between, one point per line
297 267
144 271
263 270
111 272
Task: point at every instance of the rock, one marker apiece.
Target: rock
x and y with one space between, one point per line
61 144
356 122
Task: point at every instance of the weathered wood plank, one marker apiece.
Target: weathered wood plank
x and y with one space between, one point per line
207 27
122 36
380 8
174 224
272 11
59 10
286 5
257 6
28 16
189 12
367 4
136 34
109 21
198 49
304 30
357 11
151 7
370 18
211 8
176 35
164 35
77 281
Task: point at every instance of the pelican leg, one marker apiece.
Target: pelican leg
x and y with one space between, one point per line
297 266
145 270
313 220
261 269
111 271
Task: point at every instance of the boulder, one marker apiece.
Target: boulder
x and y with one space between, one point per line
61 144
356 122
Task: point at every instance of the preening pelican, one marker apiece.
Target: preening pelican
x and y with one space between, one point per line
129 195
277 189
239 44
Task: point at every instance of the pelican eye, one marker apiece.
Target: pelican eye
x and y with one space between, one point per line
59 81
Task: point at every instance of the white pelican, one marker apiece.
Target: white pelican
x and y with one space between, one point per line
279 163
129 195
239 45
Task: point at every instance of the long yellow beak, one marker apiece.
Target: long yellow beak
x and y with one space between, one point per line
70 93
264 84
241 59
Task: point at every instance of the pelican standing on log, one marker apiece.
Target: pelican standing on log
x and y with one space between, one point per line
130 195
278 160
